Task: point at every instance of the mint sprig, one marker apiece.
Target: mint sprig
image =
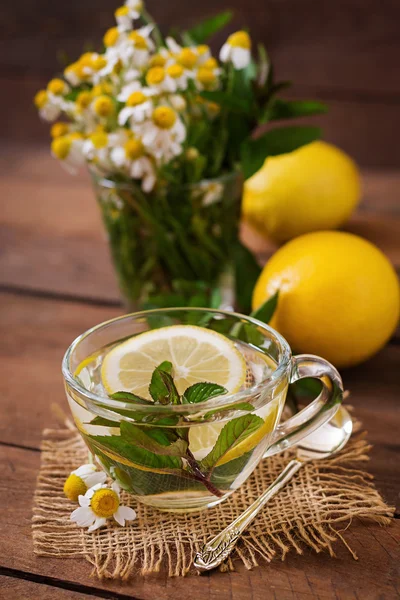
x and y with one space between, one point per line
159 442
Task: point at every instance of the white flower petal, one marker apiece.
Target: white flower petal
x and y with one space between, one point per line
225 53
83 517
116 488
99 476
83 500
240 58
127 513
84 470
99 522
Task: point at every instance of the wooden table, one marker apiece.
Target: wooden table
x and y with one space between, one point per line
56 281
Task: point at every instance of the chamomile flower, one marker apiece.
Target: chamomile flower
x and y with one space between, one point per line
97 148
188 56
168 79
49 107
99 504
57 87
131 157
163 134
211 192
103 106
124 17
178 102
80 480
58 129
237 50
207 76
135 6
68 150
139 107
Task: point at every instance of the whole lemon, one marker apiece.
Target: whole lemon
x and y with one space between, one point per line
313 188
338 296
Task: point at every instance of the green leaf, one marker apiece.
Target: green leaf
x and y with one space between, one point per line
162 387
200 33
115 446
231 435
200 392
277 141
227 408
104 422
265 312
247 271
128 397
290 109
158 442
229 101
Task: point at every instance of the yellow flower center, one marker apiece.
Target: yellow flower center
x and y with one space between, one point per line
99 63
157 61
155 75
134 149
74 487
59 129
61 147
240 39
122 11
104 503
175 71
102 88
202 49
99 139
187 58
87 58
83 100
138 40
136 98
103 106
111 37
206 76
164 117
56 86
40 99
210 63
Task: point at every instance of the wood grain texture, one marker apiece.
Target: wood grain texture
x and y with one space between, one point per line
348 44
13 588
306 577
52 238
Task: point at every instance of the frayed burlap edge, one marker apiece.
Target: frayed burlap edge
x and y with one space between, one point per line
311 511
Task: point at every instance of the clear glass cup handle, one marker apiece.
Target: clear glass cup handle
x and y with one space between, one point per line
318 412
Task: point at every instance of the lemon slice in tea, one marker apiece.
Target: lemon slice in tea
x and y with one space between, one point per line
197 355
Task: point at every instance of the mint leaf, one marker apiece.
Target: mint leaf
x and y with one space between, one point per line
228 407
104 422
247 271
159 442
277 141
290 109
205 29
162 388
231 435
200 392
265 311
128 397
115 447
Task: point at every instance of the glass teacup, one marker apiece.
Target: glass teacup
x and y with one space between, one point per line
216 443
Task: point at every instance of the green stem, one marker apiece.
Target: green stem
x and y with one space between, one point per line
148 20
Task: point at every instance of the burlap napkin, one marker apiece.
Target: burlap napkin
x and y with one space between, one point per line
311 511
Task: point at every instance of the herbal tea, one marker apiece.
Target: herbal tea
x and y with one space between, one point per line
183 422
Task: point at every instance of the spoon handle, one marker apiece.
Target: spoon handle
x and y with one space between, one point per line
218 549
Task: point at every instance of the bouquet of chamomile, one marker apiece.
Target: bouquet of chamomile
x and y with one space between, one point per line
166 114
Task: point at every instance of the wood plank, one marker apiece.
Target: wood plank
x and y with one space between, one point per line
36 333
350 45
351 123
52 238
21 589
306 577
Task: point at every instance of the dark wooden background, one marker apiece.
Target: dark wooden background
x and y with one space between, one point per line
345 52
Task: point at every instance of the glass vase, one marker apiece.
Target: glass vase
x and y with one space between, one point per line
174 244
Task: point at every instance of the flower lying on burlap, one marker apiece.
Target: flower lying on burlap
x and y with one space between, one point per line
99 504
81 480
